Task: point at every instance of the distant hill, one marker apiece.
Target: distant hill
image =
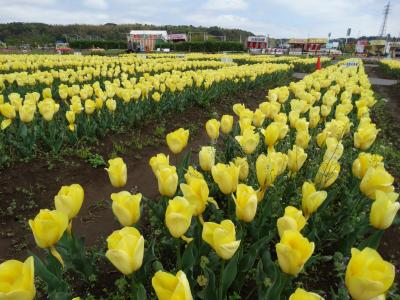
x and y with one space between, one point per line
40 33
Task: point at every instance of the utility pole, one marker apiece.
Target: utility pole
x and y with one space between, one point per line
382 30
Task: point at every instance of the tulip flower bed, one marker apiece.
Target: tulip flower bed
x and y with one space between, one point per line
391 67
47 110
293 185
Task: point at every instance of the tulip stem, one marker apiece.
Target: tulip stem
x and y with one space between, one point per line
178 254
220 296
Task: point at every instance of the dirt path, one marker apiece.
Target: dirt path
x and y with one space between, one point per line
27 187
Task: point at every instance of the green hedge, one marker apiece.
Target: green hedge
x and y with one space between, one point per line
86 44
207 46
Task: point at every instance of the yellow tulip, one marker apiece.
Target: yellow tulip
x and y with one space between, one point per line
325 110
246 202
311 198
15 100
226 177
301 125
242 163
117 172
302 138
27 112
90 106
8 111
293 251
365 136
125 249
48 227
296 158
70 116
248 141
207 158
69 200
293 118
47 93
99 103
327 173
221 237
212 128
301 294
314 116
364 162
376 179
226 124
167 180
126 207
178 216
192 173
196 192
177 140
238 108
293 219
281 118
258 118
47 108
245 123
334 149
156 96
170 287
368 275
271 134
111 105
17 281
269 167
384 210
156 162
5 123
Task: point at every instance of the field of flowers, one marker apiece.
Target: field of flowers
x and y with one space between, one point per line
391 67
294 185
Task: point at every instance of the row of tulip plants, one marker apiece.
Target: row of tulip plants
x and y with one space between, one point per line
276 192
391 67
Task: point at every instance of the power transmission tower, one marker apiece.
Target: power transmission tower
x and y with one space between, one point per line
386 11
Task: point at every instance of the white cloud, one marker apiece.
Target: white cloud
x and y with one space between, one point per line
225 5
96 4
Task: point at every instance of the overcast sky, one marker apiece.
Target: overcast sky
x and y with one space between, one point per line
279 18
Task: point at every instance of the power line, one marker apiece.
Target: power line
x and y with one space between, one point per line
386 11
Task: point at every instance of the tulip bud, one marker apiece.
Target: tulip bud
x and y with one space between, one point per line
125 250
178 216
207 158
293 219
226 177
226 124
334 149
27 112
69 200
293 251
90 106
258 118
296 158
327 173
241 162
196 192
117 172
168 286
17 279
368 275
8 111
111 105
293 117
302 138
212 128
48 227
271 134
384 210
126 207
301 294
167 180
376 179
221 237
246 202
156 96
177 140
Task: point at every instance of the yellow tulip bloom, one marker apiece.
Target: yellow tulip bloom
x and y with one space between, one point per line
196 192
117 172
242 163
111 105
178 216
246 202
69 200
301 294
271 134
293 219
17 281
327 173
177 140
226 177
365 136
27 112
126 207
311 198
296 158
156 162
364 162
8 111
170 287
167 180
226 124
221 237
90 106
212 128
48 227
376 179
384 209
334 149
248 141
192 173
125 249
207 158
258 118
293 252
368 275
